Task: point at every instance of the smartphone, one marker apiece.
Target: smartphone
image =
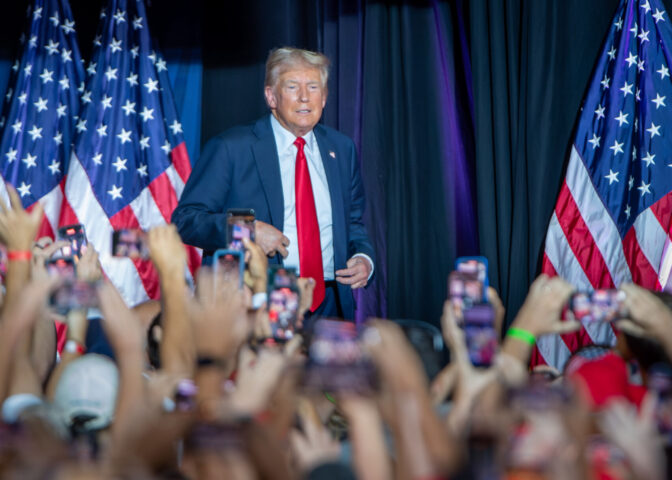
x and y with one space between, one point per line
229 264
336 360
71 293
478 322
283 302
603 305
131 243
464 289
240 225
477 265
75 235
659 383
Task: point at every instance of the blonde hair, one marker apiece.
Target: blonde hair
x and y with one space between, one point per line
284 58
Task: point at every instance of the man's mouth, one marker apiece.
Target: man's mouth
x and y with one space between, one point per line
304 111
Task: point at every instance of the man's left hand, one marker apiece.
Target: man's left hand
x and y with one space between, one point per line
357 273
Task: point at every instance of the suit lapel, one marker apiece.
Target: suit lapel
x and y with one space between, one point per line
331 162
266 156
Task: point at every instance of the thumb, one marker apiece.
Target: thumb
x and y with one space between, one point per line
567 326
36 213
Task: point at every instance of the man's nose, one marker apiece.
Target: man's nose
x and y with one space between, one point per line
303 94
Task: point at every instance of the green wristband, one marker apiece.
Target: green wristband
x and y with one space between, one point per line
522 335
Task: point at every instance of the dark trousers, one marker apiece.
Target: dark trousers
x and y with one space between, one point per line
329 308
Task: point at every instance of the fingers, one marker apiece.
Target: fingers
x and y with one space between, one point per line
630 327
355 276
283 251
246 358
567 327
293 345
636 298
52 248
346 272
3 206
14 199
36 213
354 280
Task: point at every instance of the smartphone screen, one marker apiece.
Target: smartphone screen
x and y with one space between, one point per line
230 265
283 302
603 305
660 385
131 243
240 225
71 293
464 290
75 235
478 323
336 361
76 294
478 266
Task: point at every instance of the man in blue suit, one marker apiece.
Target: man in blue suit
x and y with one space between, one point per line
302 180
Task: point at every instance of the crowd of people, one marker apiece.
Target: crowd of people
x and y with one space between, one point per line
192 387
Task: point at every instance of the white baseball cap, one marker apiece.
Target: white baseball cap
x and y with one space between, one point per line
88 387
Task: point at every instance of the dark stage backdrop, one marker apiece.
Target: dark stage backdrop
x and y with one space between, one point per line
402 88
532 61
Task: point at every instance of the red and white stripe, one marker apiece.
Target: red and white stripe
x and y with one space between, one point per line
136 280
584 247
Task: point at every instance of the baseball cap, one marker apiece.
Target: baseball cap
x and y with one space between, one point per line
87 390
604 379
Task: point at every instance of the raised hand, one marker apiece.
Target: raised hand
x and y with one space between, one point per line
166 249
18 227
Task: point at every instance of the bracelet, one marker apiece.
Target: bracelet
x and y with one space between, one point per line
202 362
258 299
72 346
19 255
522 335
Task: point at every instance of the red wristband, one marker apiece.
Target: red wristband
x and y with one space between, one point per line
19 255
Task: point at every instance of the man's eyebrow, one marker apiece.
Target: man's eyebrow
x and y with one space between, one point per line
310 82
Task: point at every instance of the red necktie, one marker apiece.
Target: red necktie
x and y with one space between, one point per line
307 228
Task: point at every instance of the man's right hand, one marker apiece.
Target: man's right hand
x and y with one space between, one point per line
270 239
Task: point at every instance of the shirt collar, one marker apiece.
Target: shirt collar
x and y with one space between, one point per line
284 139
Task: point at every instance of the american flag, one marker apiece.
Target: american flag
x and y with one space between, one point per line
611 223
38 115
129 163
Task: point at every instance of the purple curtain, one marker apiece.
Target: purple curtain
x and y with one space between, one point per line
400 86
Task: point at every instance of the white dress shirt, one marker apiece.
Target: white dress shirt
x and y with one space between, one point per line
284 141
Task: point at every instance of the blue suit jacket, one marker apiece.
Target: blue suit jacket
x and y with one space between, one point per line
240 169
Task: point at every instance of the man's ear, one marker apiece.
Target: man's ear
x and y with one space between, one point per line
270 98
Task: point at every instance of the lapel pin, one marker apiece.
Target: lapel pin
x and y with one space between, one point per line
332 154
